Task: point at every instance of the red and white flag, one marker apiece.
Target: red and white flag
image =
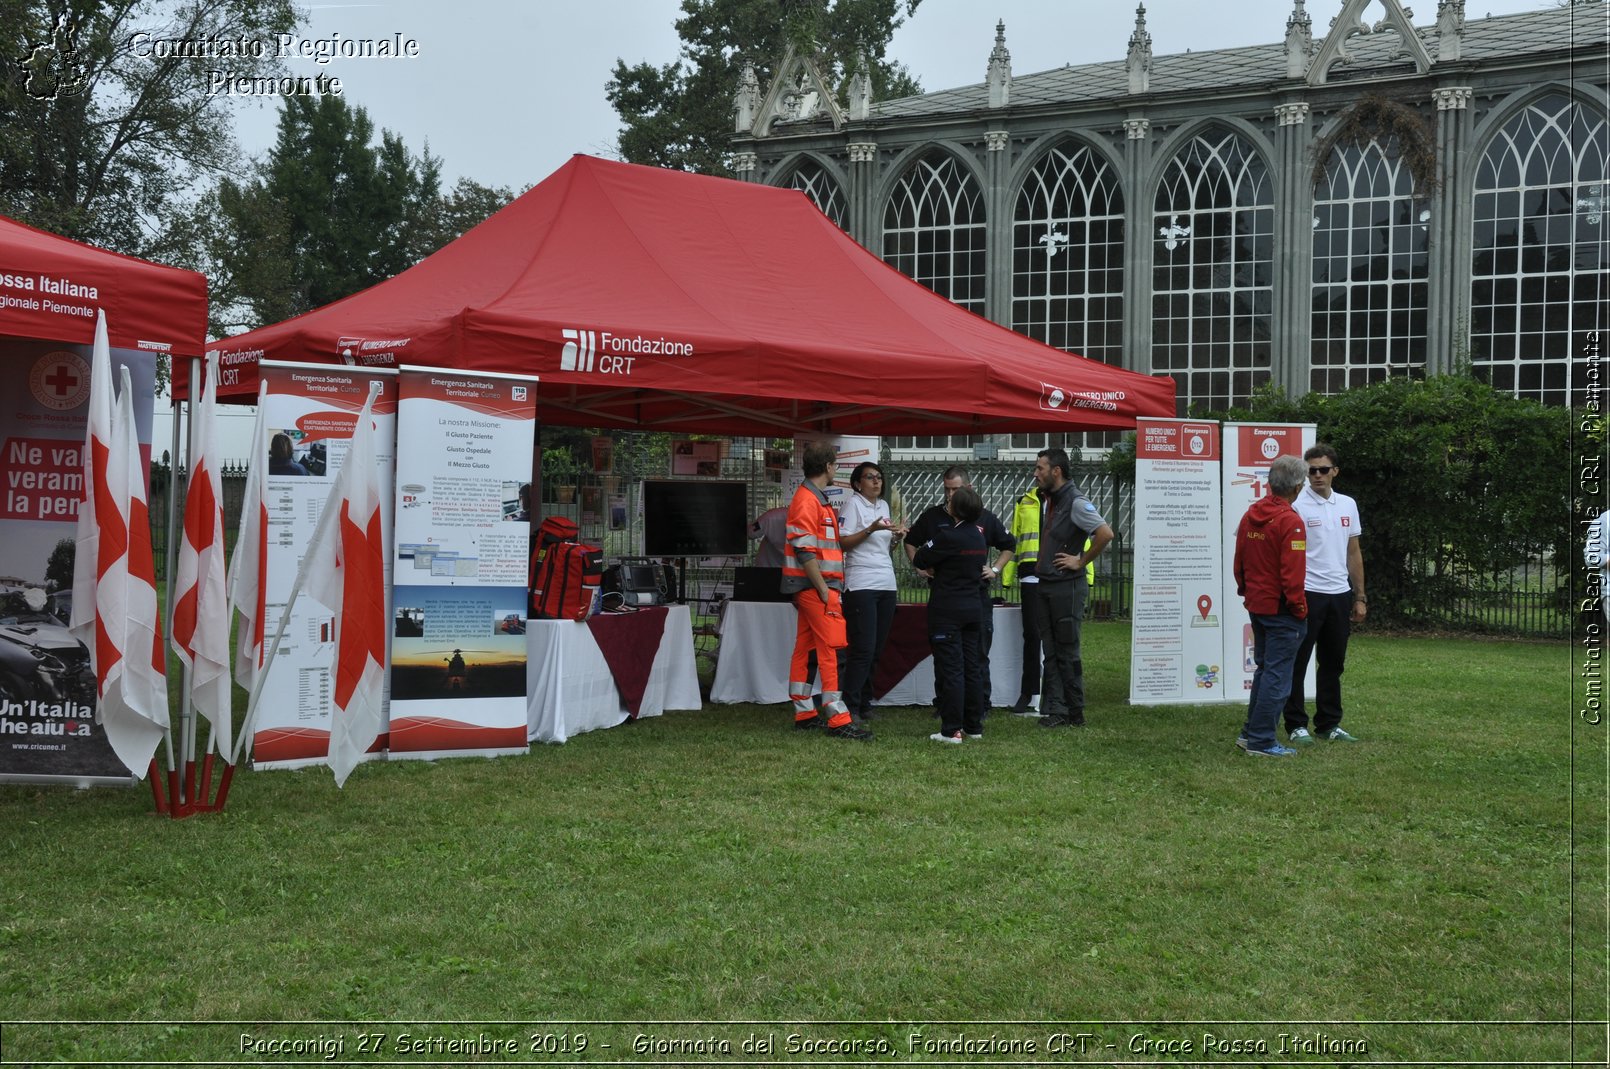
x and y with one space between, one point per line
114 573
201 596
345 569
248 571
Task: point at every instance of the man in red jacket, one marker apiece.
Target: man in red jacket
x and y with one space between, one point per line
1271 565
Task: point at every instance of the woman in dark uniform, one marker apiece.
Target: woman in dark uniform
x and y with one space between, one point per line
957 554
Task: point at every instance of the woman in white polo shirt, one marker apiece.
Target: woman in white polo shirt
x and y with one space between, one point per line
867 535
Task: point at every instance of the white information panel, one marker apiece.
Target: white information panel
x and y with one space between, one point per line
1249 449
458 646
311 410
1178 646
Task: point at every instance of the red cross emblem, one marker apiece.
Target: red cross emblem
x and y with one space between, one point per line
59 380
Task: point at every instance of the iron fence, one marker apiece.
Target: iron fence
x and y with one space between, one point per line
1529 601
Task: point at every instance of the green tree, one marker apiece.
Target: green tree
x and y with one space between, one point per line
680 114
333 209
59 568
101 138
1456 483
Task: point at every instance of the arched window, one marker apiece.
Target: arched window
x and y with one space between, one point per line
1213 241
1540 268
933 230
1369 299
1068 255
812 179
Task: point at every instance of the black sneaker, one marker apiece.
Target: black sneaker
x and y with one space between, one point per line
1060 721
850 731
808 724
1022 704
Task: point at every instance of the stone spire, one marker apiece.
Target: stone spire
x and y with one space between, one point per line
746 101
860 93
1450 29
1299 41
1140 54
999 77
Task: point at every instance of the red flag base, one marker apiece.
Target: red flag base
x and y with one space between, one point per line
194 800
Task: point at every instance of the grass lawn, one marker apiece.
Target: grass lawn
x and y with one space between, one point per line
719 866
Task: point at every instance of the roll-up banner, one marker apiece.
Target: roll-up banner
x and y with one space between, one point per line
1178 644
48 728
310 410
1249 449
458 648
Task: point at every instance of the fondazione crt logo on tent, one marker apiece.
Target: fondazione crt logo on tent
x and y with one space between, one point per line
613 354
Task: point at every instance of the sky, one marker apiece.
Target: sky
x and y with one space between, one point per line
505 91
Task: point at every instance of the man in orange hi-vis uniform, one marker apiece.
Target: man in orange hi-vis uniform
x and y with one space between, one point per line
813 574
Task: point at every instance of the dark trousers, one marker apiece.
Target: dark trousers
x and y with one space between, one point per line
867 616
1031 642
1329 624
1057 615
956 641
986 635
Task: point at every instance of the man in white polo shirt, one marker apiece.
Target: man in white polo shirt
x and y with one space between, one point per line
1336 600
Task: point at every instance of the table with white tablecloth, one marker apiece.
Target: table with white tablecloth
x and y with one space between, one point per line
757 640
570 687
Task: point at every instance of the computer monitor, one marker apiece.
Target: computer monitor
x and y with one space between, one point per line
690 518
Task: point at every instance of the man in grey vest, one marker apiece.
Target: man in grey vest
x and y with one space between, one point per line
1067 520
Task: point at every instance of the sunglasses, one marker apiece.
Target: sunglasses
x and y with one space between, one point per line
1320 469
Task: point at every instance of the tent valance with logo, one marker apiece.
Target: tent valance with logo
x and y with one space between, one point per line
655 299
50 288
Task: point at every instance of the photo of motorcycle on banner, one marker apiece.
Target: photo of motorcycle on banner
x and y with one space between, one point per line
48 727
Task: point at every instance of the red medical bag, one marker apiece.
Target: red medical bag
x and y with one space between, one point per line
566 581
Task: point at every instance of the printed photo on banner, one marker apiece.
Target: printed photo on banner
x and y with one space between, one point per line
517 502
603 455
458 642
422 669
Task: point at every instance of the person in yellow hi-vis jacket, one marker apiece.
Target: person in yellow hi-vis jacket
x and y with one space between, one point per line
1020 570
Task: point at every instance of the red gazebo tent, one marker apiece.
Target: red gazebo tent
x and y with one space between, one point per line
50 287
653 299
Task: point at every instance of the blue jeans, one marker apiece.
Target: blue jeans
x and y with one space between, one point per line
1275 640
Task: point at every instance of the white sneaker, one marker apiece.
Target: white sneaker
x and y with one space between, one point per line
954 740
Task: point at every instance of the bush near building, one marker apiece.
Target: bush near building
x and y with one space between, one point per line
1464 491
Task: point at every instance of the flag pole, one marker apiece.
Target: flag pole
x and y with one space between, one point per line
170 561
187 712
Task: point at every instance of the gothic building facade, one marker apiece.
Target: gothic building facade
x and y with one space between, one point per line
1378 199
